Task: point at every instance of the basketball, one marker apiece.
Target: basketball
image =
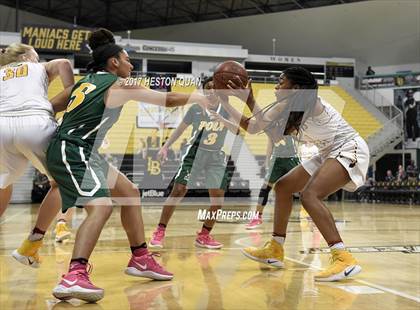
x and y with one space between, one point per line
227 71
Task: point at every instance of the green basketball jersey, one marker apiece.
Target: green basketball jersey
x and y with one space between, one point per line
87 120
285 148
206 134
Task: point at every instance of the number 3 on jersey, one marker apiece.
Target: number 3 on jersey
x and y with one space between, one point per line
79 94
211 139
15 72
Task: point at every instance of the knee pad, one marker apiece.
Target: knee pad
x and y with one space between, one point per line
263 196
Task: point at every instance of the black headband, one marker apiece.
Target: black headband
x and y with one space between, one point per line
101 54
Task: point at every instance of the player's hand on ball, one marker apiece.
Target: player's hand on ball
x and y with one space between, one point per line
239 89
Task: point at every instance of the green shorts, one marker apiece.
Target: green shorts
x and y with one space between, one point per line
208 164
278 167
81 175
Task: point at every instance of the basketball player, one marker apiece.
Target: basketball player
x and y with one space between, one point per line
84 177
281 159
204 155
342 162
26 127
62 230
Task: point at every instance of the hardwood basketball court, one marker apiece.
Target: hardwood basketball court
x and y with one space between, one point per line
384 238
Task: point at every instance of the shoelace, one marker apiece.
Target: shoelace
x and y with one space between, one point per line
84 273
154 263
335 257
208 238
159 233
267 244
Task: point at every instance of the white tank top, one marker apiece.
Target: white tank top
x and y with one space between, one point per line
328 130
24 90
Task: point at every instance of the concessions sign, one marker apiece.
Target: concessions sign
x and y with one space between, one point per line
56 39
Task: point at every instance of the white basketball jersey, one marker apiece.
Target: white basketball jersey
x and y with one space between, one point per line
327 131
24 90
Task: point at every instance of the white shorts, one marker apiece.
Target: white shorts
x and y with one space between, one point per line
23 139
352 155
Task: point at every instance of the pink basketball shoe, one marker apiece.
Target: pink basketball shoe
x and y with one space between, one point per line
254 223
146 266
76 284
157 238
205 240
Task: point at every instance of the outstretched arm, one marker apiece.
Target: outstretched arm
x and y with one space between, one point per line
260 119
120 93
163 152
248 124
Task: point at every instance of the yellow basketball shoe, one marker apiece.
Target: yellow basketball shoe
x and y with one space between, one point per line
62 232
343 265
27 253
272 254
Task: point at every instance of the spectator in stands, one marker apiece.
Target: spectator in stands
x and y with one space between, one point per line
142 148
153 142
370 71
401 175
40 187
412 171
411 116
399 103
370 182
389 177
164 141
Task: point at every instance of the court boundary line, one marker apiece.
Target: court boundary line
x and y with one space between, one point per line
377 286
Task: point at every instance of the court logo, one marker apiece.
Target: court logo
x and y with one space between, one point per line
153 166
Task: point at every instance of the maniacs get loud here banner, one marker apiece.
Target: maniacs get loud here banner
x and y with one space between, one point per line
55 39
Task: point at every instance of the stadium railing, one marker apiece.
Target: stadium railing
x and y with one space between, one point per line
389 80
397 192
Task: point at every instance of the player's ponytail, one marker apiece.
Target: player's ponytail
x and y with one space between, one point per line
102 44
13 53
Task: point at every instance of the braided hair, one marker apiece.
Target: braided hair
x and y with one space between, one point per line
301 76
303 101
300 104
102 44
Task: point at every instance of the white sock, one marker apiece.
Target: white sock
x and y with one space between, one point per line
338 246
35 237
279 240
